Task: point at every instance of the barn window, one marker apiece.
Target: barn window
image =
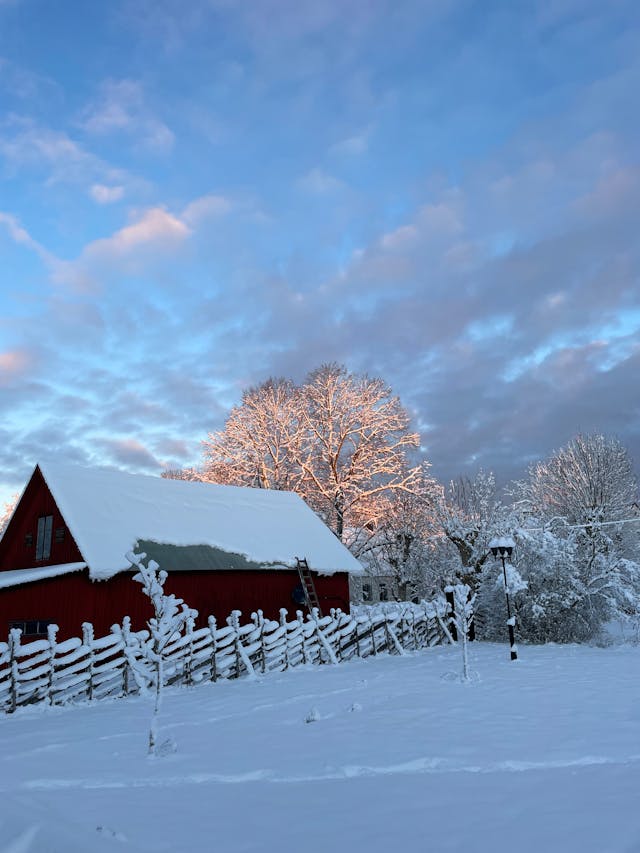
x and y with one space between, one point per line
32 627
59 534
366 592
43 542
28 540
384 592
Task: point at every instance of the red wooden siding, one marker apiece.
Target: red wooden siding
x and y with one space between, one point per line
72 599
36 501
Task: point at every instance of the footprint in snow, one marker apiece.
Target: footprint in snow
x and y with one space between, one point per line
110 833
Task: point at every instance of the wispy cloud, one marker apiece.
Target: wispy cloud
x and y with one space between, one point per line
27 146
206 207
319 182
21 236
121 108
103 194
23 84
352 146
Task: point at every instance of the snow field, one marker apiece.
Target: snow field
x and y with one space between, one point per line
540 754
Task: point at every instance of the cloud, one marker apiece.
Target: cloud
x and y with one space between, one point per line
106 195
501 310
205 207
130 453
154 226
23 84
318 182
14 364
352 146
27 146
22 237
155 230
497 296
400 237
121 108
612 192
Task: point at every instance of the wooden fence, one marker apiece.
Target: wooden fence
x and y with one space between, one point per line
86 667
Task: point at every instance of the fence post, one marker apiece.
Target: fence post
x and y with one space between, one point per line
87 640
441 622
259 622
234 622
14 649
402 628
51 637
323 643
124 634
337 615
188 663
214 646
285 634
300 619
373 635
385 616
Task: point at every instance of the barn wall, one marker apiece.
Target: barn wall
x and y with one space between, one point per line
70 600
36 501
218 593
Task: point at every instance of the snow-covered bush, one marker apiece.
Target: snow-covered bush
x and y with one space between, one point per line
569 584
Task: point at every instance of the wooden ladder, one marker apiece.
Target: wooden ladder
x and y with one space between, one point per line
308 586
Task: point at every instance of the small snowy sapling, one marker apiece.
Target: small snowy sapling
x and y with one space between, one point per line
463 603
170 617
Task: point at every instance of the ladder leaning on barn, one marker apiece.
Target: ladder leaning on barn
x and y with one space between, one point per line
308 586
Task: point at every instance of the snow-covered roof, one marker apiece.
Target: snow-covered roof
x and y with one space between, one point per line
15 577
108 512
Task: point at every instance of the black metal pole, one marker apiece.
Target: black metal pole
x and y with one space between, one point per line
512 638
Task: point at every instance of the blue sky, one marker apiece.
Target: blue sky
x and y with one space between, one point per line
194 197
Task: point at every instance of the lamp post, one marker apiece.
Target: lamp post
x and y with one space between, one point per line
504 546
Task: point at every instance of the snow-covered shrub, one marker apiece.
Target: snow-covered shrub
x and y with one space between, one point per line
569 585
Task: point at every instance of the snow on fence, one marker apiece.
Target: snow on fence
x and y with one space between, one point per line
93 668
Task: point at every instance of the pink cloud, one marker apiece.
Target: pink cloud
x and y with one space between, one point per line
14 364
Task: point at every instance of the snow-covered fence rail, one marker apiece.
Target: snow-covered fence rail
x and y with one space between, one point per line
86 667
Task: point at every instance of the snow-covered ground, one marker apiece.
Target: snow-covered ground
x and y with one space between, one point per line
384 754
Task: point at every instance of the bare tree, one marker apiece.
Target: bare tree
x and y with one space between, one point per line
260 443
582 571
339 440
6 513
401 545
355 442
190 474
469 515
590 480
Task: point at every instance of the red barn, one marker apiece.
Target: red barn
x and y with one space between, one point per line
62 557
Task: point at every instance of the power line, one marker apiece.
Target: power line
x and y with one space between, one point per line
568 526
